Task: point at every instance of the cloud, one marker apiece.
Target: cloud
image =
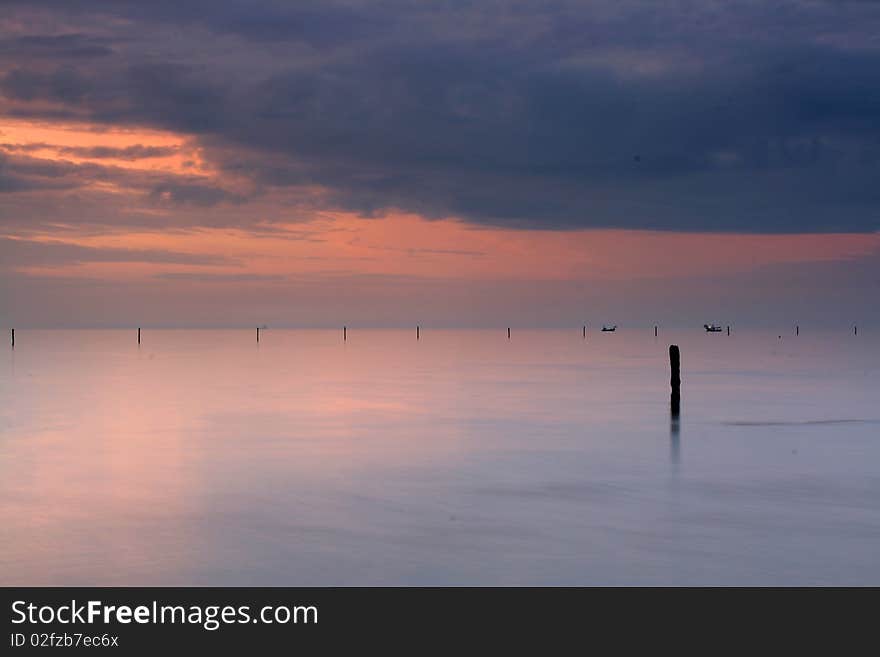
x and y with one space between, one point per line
192 193
64 46
823 294
734 116
16 253
130 153
219 278
24 173
63 84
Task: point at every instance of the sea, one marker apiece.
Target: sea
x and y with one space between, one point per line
204 457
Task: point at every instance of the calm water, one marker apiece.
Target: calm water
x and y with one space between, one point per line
201 457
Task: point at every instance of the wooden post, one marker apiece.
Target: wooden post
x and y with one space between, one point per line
508 333
585 330
417 332
655 330
855 330
344 333
139 334
728 330
675 379
797 330
13 338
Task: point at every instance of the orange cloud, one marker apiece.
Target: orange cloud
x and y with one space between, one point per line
73 142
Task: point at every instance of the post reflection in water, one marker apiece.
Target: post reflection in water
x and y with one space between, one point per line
675 431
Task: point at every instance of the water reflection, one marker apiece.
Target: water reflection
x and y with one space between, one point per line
675 433
204 458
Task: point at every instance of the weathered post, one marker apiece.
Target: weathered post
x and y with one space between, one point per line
258 334
855 330
585 330
797 330
344 333
675 379
139 334
655 330
417 332
508 333
728 330
13 338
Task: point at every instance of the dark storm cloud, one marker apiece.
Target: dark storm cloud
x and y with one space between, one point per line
314 21
192 193
65 46
135 152
63 84
734 116
23 173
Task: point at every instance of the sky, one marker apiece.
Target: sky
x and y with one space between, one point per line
486 163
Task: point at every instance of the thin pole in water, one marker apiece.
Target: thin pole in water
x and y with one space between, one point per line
508 333
417 332
675 404
344 333
855 330
655 330
797 330
258 334
585 330
728 330
139 334
13 338
675 379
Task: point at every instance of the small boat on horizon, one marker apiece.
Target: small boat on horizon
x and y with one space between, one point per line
712 328
609 329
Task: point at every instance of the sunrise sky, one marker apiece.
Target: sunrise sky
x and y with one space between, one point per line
234 163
